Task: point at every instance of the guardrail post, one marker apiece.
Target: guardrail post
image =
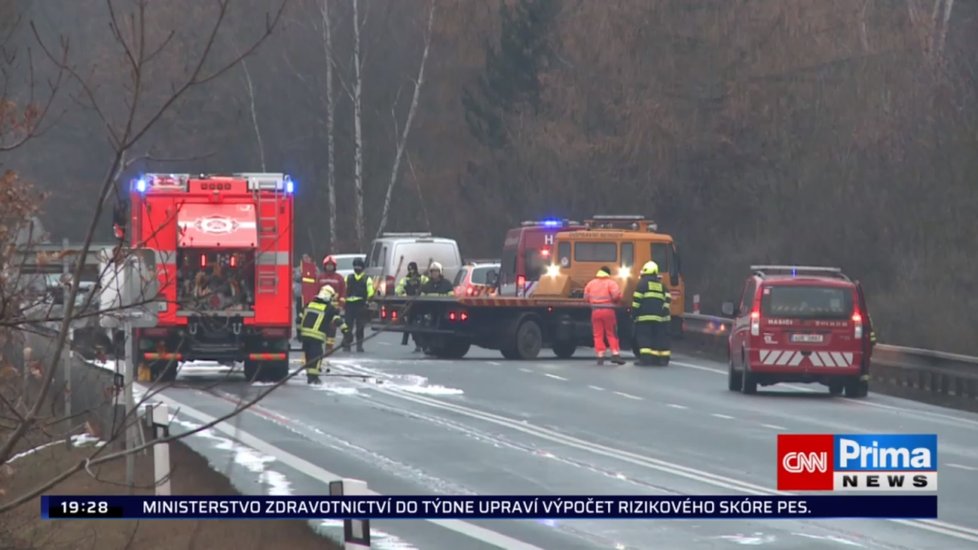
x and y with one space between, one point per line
67 356
356 532
158 417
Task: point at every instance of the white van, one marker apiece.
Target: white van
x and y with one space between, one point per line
392 252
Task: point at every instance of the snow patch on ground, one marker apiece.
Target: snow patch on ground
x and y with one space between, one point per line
278 485
111 365
341 390
431 390
410 383
80 440
28 452
85 440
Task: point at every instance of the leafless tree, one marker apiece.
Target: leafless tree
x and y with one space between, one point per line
358 130
330 125
132 37
402 139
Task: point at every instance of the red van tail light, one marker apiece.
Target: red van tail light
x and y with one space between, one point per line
755 323
857 323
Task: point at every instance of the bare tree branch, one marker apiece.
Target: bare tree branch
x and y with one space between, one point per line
358 132
330 126
402 140
123 141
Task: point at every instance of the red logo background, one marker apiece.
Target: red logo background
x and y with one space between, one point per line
805 481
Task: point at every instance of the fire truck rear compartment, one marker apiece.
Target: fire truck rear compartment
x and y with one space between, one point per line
216 282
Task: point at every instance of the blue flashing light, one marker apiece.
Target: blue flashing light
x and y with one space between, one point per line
552 223
794 272
289 185
141 185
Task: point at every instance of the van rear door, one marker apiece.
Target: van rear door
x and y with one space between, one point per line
808 326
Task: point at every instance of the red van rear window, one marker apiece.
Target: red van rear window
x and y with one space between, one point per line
807 302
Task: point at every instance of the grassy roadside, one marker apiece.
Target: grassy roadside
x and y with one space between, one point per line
22 527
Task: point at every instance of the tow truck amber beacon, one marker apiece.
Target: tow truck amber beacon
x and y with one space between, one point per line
223 248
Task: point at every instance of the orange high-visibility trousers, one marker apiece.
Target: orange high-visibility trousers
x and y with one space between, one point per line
604 324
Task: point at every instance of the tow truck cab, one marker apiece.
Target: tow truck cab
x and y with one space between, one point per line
622 242
800 324
527 252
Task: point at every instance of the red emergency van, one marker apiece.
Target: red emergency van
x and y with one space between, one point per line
800 324
527 253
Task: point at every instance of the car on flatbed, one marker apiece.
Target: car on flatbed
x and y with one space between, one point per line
801 325
477 278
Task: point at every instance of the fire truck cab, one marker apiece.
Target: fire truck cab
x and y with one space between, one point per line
800 324
224 263
527 252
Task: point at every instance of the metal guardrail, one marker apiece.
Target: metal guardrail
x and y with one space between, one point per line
938 377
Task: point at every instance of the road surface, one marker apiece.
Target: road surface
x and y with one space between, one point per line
485 425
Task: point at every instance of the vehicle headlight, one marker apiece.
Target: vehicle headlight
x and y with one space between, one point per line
553 270
624 272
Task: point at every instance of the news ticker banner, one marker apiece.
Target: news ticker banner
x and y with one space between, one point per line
489 507
905 463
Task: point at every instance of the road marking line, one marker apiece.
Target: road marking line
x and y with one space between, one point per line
524 369
596 388
628 395
554 376
957 531
467 529
724 416
493 363
775 427
676 406
961 466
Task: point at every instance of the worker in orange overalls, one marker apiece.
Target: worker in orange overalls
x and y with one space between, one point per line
603 294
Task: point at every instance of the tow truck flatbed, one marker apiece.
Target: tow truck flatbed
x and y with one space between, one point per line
518 327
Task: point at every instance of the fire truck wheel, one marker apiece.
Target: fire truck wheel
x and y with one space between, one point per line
276 371
251 371
564 349
835 387
529 339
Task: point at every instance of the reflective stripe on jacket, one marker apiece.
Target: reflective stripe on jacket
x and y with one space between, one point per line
359 287
651 301
317 316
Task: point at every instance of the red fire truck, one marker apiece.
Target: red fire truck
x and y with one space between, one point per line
224 255
526 254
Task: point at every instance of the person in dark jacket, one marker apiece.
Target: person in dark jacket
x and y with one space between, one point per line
410 285
317 331
651 316
359 289
437 284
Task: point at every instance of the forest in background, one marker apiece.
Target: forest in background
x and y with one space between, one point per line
827 132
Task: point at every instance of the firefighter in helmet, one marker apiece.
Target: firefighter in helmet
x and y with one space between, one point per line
410 285
318 330
650 314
